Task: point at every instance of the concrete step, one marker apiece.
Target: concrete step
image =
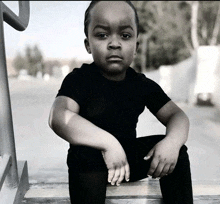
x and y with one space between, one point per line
141 192
15 195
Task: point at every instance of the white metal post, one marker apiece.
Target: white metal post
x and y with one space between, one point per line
7 143
6 125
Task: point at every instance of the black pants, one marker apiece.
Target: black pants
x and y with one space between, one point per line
88 173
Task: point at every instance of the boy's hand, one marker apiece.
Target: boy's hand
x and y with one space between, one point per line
165 154
117 164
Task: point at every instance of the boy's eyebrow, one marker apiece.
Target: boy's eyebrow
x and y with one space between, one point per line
123 27
101 26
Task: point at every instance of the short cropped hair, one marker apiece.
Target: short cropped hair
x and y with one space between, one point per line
93 3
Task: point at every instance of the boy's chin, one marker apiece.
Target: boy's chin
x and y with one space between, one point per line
114 71
114 74
116 68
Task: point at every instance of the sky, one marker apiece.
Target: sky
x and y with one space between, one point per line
55 26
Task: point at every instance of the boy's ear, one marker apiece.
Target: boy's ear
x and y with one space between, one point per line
86 43
137 46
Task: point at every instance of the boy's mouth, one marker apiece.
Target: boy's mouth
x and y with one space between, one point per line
114 58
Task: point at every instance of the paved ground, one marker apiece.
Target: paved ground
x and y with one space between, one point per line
35 141
46 152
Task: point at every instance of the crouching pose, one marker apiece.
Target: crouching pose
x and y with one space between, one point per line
97 108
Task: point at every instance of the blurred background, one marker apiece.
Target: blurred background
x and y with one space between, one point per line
179 49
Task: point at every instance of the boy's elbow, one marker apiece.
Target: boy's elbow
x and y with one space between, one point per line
52 121
56 125
187 120
185 116
58 122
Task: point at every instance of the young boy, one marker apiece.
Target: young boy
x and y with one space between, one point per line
97 107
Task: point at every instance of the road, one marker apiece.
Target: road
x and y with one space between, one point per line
45 152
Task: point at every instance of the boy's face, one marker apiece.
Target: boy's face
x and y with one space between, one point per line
112 37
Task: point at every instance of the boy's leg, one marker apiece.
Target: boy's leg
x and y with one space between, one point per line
88 176
87 187
176 188
136 150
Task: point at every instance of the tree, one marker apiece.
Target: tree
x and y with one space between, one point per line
160 31
19 62
216 28
49 66
34 60
73 64
194 21
174 29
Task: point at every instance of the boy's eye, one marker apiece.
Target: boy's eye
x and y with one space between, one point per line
126 35
102 35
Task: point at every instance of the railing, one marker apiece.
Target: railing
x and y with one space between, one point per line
9 174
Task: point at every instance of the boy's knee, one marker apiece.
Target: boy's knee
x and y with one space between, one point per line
183 152
183 164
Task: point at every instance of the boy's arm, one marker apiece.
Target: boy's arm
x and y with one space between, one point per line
66 123
166 152
176 122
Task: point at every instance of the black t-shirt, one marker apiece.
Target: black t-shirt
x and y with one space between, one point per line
112 105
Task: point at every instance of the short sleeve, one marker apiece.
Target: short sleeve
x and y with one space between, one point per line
156 98
72 86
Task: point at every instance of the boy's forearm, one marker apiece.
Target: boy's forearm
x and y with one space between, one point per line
177 128
79 131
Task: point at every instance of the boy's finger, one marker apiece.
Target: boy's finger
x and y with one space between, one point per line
127 172
149 155
158 170
122 174
153 166
165 171
116 176
172 167
111 173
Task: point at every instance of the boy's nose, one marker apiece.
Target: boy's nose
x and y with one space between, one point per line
114 43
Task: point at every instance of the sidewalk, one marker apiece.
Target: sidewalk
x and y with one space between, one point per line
46 153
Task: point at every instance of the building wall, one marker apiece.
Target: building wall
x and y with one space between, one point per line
178 80
216 92
198 74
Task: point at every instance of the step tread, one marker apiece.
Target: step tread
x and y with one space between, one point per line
152 189
136 193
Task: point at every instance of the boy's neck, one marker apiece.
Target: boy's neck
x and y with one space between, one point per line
115 77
